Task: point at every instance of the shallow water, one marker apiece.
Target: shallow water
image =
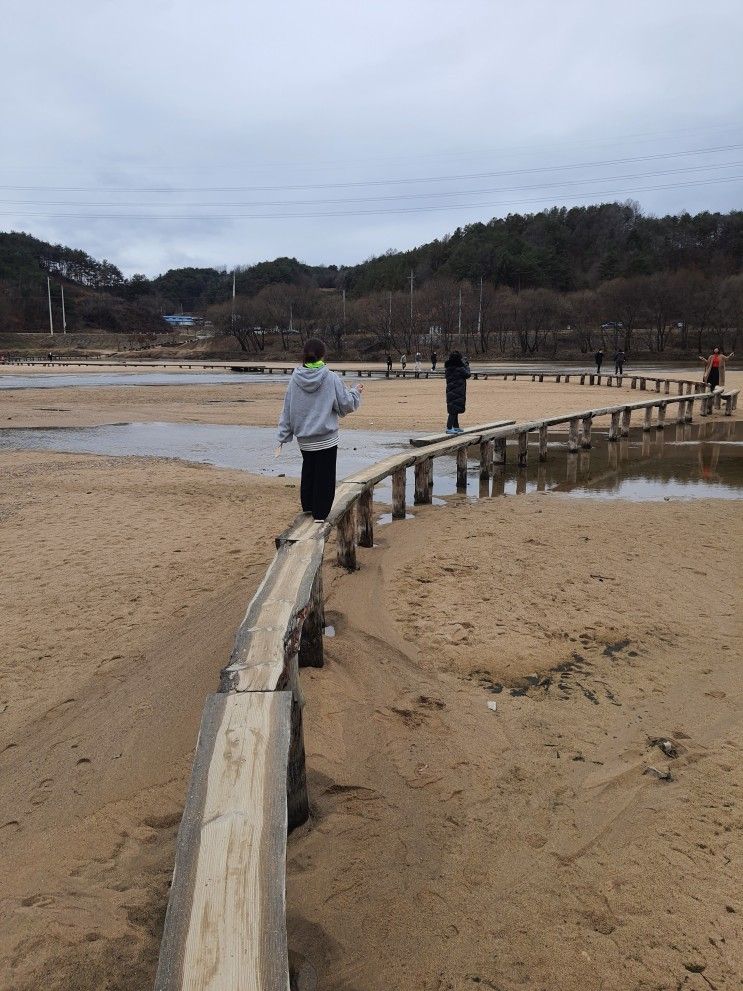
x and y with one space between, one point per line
696 461
97 380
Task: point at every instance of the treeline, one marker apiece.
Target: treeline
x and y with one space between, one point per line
549 280
682 311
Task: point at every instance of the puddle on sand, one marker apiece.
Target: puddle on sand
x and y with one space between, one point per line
97 380
696 461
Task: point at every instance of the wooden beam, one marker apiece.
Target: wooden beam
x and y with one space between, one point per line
573 442
462 468
523 452
427 439
365 517
543 442
398 494
225 925
313 627
585 441
422 491
346 538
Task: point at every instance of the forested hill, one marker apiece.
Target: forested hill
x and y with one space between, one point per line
561 249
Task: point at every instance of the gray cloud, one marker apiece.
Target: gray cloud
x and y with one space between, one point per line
123 114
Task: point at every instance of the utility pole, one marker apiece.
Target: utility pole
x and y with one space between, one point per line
49 297
411 307
64 318
479 315
459 320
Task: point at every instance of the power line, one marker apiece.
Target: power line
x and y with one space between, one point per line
375 182
397 196
363 213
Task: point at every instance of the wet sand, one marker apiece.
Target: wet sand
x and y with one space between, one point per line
450 845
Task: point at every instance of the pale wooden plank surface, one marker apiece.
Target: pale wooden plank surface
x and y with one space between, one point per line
435 438
269 635
225 927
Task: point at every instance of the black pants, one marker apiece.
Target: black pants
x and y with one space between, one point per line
619 368
452 422
318 482
713 379
598 367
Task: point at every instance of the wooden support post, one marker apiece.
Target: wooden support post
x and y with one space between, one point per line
626 418
667 388
689 411
648 421
609 380
598 380
346 538
573 443
643 384
541 378
591 379
660 425
633 383
567 378
462 469
620 381
729 405
499 451
398 494
583 380
365 517
310 645
543 442
585 441
557 379
486 458
718 400
523 457
614 426
422 490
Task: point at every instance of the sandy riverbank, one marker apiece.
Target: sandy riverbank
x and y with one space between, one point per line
129 579
454 847
394 404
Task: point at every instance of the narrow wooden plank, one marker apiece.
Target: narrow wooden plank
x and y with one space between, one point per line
426 439
225 926
269 635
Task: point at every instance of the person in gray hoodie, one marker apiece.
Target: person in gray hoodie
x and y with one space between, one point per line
314 400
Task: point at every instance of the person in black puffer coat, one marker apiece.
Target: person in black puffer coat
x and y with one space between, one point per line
457 371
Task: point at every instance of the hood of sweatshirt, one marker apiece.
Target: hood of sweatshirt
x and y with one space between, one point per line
310 379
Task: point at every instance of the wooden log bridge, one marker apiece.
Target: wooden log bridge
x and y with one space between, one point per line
225 927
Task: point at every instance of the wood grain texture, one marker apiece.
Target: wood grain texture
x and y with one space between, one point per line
225 927
426 439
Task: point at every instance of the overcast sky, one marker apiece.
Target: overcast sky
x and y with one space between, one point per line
162 133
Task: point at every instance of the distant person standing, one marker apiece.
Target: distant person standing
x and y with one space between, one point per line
418 359
403 361
714 372
314 400
619 362
457 371
389 363
599 359
434 360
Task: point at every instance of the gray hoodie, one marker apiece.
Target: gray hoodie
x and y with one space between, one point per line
314 400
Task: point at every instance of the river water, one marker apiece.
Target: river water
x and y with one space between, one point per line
694 461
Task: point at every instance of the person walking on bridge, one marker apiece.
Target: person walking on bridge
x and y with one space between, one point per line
434 360
456 371
714 372
314 400
599 359
619 362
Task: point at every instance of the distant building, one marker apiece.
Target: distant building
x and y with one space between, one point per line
182 319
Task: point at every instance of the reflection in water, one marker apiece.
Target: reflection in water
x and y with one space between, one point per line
699 460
